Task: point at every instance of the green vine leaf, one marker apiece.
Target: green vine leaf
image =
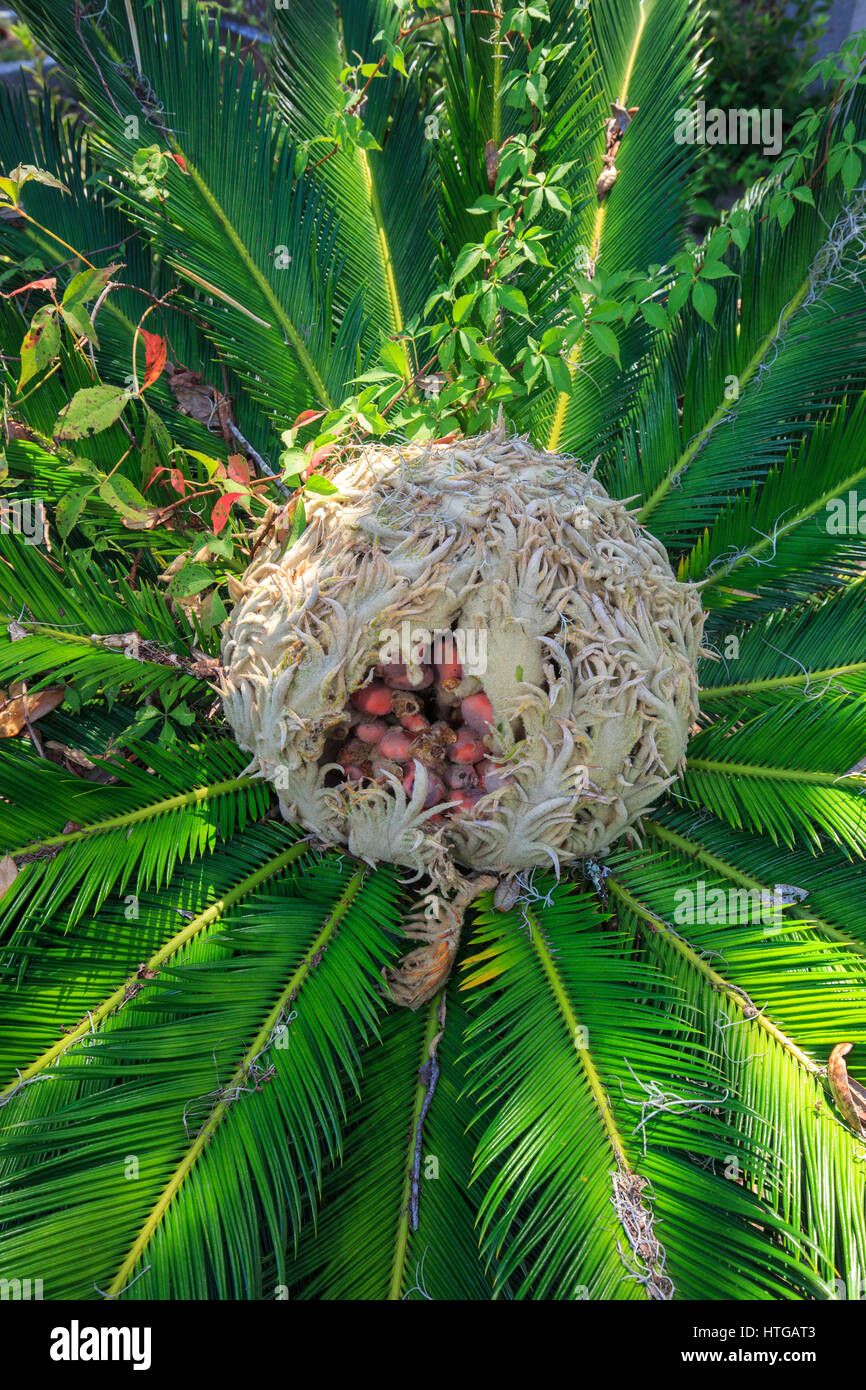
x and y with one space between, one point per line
90 411
41 343
69 509
122 496
190 580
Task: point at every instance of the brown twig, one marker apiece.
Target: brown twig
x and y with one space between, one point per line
134 571
34 738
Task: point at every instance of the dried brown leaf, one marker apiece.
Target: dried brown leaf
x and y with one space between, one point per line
491 163
8 873
16 708
849 1095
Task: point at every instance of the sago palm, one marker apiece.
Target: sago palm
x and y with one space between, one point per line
419 225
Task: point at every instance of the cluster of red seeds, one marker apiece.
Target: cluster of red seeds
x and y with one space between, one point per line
412 714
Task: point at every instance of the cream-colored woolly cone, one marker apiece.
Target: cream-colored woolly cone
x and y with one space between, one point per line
591 646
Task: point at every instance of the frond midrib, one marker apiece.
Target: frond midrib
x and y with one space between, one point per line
779 774
573 359
156 961
197 796
682 948
694 850
221 1109
401 1240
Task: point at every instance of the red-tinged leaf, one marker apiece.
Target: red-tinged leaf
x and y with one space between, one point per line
49 283
318 458
179 161
306 417
239 469
154 357
154 475
222 510
178 481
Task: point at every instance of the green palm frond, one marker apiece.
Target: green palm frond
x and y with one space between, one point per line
397 1211
562 1191
274 315
830 880
754 388
648 57
793 536
784 772
274 985
383 191
133 794
146 841
813 647
41 943
744 992
68 609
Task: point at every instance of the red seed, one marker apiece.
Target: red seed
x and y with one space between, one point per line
372 731
467 753
448 670
477 712
373 699
466 800
467 749
394 743
435 787
415 723
399 677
